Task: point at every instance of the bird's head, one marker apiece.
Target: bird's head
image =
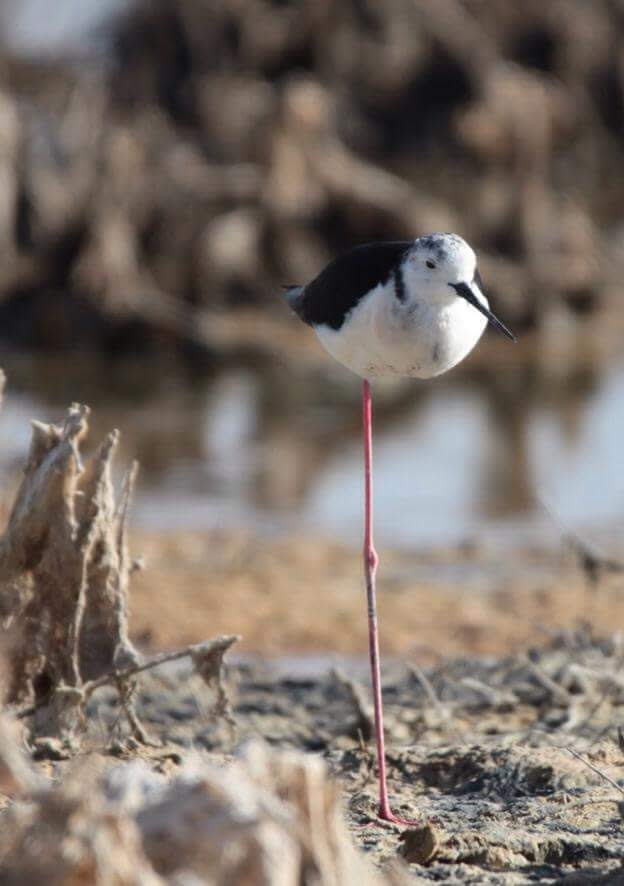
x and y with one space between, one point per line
442 267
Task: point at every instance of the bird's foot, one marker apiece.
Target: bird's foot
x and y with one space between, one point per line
385 816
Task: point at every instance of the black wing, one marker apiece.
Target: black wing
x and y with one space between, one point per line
347 279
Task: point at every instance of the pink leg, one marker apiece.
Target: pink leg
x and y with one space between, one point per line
371 561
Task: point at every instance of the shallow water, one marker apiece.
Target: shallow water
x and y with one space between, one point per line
75 26
464 456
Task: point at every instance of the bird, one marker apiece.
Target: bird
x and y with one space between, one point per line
411 308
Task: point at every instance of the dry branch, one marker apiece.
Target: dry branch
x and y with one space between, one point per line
559 694
210 649
357 698
422 679
597 770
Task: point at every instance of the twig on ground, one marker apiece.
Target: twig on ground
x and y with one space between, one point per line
558 692
492 697
593 564
586 721
359 701
368 758
420 676
115 677
208 663
208 646
598 771
126 690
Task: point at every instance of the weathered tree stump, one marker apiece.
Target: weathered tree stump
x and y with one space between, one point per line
64 576
64 570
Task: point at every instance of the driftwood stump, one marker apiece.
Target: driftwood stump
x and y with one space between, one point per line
64 570
64 575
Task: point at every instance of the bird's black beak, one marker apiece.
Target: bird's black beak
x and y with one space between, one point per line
465 291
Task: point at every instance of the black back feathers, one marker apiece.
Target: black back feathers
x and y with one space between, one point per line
348 278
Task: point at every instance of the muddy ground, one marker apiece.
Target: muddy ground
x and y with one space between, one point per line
481 753
490 684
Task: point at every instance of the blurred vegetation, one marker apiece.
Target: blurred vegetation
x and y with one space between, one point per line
218 150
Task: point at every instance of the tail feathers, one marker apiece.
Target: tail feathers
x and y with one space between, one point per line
293 295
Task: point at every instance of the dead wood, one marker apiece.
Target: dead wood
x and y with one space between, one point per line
364 722
64 569
443 712
207 659
597 770
18 777
558 693
64 574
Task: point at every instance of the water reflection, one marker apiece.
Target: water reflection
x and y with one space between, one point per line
242 446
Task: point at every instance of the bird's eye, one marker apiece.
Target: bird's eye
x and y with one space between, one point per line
430 264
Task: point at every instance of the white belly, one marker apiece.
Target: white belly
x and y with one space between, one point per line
383 337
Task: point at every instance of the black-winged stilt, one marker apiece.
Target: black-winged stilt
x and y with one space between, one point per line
407 308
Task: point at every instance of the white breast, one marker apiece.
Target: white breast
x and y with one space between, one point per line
383 337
